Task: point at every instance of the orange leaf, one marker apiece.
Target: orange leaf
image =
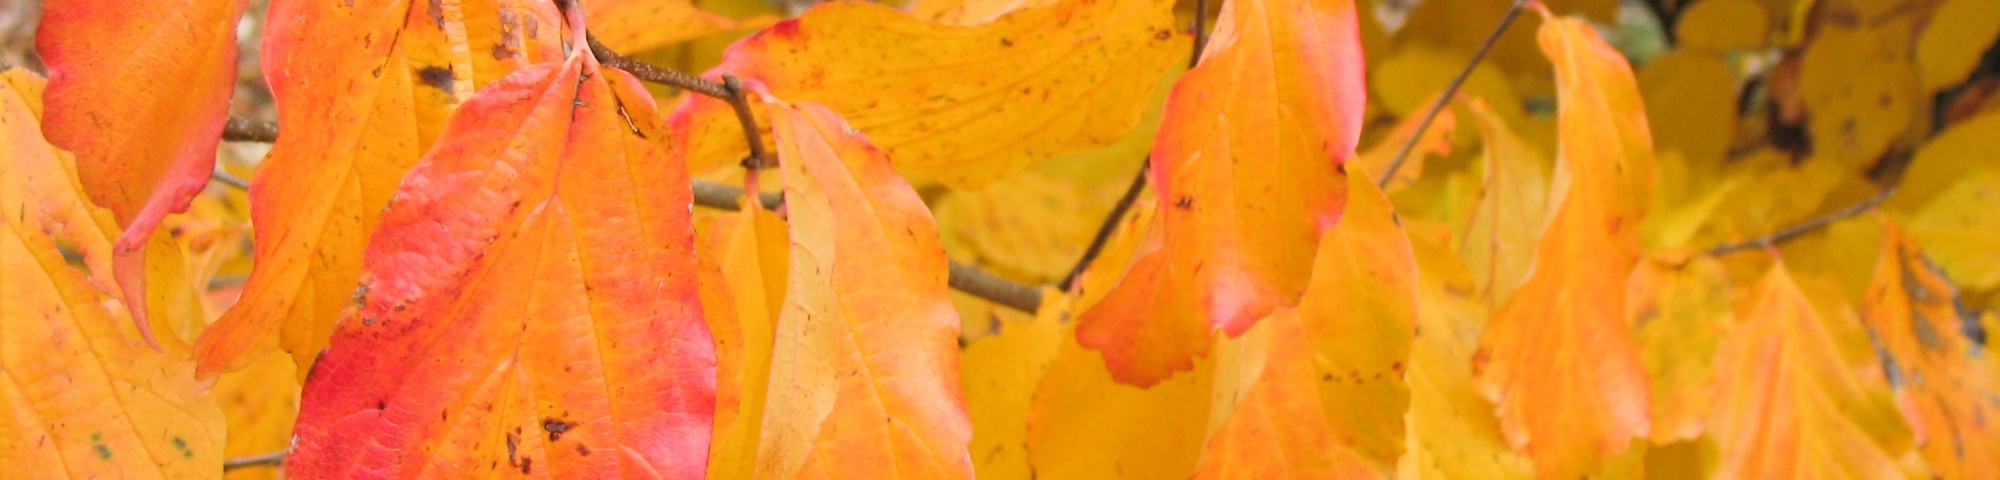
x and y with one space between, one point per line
1915 317
864 381
1248 167
1558 358
965 105
142 151
1331 398
1787 404
530 303
364 88
85 399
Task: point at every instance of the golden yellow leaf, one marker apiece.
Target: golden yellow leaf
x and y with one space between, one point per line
259 403
89 398
1452 431
1680 312
1959 32
1000 376
970 12
1511 211
1957 229
1407 80
962 105
1861 91
640 25
1721 25
1436 141
1691 104
752 268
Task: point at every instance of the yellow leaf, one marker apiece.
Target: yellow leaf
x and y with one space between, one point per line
1407 80
640 25
752 271
259 403
963 105
1721 25
1436 141
1861 91
1691 104
1452 431
1511 211
1961 150
1679 313
1957 229
88 398
1000 376
1959 32
970 12
1914 315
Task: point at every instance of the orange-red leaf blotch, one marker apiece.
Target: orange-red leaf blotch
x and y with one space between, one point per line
363 87
139 90
530 303
1945 392
864 377
1558 359
1248 168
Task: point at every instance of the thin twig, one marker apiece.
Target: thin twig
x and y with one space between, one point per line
1794 231
1450 90
964 278
226 178
656 74
1104 230
239 129
739 100
272 459
1118 210
1000 291
1200 32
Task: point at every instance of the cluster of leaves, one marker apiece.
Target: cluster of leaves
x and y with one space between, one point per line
475 239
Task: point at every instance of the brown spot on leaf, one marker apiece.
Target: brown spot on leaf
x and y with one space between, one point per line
441 78
556 428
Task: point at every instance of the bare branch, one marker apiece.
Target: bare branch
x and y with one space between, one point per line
1794 231
225 178
1104 230
240 129
740 102
656 74
964 278
273 459
1450 90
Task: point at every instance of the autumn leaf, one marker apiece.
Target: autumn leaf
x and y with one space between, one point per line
753 268
639 25
552 326
1001 374
324 183
1330 398
1558 358
1452 432
1511 210
89 399
1228 241
1788 406
962 105
1917 321
1679 314
142 153
864 381
259 404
